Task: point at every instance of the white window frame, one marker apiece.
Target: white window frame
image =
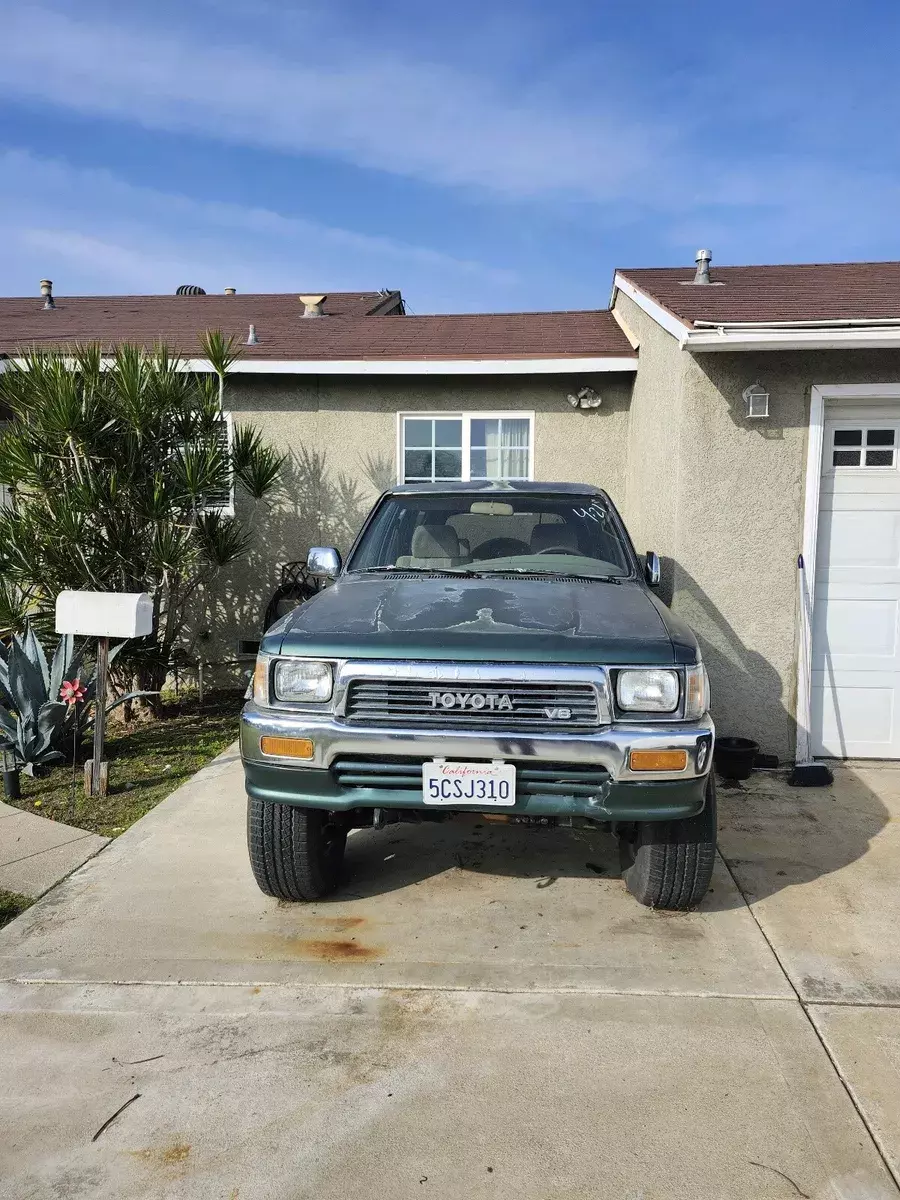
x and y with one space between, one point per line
225 510
467 418
864 428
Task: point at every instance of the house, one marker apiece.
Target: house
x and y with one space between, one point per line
745 419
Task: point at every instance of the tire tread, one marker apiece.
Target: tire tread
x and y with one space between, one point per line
287 850
672 862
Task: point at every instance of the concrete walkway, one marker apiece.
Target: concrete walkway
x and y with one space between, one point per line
479 1012
36 853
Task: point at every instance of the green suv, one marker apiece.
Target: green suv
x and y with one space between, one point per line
496 648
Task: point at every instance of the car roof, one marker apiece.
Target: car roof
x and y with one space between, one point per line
495 485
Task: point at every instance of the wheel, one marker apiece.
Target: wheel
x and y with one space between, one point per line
296 853
669 864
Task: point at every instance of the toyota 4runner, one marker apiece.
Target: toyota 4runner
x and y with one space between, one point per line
494 648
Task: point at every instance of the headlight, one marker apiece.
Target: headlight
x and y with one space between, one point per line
647 691
696 692
304 680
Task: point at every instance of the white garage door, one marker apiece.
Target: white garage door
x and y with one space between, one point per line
855 701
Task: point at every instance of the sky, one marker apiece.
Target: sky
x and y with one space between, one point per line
480 156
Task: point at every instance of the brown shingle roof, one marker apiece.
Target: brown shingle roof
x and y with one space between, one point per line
176 320
804 292
284 333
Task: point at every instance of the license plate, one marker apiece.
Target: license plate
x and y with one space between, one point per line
487 785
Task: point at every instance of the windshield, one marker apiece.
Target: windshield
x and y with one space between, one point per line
526 534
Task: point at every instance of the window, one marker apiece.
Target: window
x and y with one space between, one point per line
464 447
222 501
863 448
472 533
5 498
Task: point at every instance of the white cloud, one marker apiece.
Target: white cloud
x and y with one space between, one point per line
112 236
375 109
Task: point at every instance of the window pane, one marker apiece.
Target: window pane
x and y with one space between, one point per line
448 433
417 465
448 464
514 464
485 433
515 433
417 433
846 458
848 437
880 437
879 458
478 464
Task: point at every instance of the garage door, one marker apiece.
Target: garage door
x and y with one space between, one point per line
855 700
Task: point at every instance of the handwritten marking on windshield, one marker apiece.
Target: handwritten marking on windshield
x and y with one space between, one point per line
594 512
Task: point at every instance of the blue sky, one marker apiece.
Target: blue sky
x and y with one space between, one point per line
479 156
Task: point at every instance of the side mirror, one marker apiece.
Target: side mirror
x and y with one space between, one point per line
323 561
651 568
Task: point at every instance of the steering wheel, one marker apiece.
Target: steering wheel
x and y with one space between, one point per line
500 548
556 550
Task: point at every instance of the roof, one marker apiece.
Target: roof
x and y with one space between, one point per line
176 320
347 331
495 485
794 292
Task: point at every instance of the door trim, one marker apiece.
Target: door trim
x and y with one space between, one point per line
806 574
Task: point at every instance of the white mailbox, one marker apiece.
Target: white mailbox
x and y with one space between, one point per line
104 614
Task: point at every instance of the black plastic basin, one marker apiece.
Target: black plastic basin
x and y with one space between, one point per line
734 757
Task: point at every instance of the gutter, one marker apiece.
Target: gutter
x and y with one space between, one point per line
776 336
405 366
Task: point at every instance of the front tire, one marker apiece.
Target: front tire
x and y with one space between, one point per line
669 864
295 853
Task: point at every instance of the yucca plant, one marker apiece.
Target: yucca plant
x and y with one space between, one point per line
44 708
119 469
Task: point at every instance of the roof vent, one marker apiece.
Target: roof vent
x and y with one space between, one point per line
252 339
231 291
312 305
702 258
190 289
47 293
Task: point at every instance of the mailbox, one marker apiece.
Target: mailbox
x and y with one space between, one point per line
104 614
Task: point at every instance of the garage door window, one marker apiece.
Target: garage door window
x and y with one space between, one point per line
863 448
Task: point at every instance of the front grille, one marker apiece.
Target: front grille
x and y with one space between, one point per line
545 706
405 774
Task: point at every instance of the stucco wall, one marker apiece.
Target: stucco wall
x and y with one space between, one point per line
726 509
340 435
652 469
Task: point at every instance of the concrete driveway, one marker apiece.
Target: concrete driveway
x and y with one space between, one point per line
480 1013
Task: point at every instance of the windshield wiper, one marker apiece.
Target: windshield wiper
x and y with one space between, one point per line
390 569
540 574
468 573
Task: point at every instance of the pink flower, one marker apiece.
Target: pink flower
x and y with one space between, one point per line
72 691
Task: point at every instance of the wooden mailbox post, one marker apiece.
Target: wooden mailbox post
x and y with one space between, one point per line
102 615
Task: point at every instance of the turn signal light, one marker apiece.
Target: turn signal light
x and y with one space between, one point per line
286 747
658 760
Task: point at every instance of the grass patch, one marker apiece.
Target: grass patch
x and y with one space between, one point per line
147 761
11 904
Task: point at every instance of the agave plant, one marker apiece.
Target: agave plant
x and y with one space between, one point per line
36 723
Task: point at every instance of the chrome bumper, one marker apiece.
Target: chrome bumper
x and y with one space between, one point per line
607 747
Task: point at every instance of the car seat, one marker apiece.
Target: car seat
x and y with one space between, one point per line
434 546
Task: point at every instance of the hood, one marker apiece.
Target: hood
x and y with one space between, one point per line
507 620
